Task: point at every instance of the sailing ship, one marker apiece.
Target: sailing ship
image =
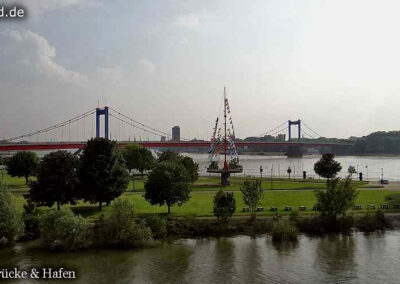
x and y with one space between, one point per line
223 144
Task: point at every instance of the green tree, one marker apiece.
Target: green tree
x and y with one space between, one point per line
327 167
167 156
102 172
168 184
336 199
224 205
191 167
11 225
351 170
57 180
22 164
138 157
252 192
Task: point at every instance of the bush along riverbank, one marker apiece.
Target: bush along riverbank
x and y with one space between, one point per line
62 230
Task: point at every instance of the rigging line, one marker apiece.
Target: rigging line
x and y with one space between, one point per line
265 133
54 126
127 117
311 129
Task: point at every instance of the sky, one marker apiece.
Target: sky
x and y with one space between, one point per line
333 64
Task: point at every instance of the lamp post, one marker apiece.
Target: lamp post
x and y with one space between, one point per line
381 176
261 171
272 168
294 173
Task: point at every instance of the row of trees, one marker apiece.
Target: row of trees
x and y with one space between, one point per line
332 203
101 174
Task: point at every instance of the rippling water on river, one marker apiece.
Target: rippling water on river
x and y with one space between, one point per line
355 259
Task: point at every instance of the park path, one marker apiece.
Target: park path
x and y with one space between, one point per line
393 185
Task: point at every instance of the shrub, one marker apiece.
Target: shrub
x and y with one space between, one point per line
284 231
63 231
30 218
120 230
294 216
157 225
373 222
224 205
320 225
11 226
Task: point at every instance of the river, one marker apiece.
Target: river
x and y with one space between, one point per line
370 166
358 258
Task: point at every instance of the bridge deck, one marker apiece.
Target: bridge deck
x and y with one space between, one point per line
152 144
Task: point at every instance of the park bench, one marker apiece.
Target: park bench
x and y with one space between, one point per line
384 206
302 208
396 206
260 209
357 207
274 209
246 209
288 208
371 206
315 208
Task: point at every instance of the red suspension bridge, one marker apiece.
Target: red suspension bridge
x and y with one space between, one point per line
73 134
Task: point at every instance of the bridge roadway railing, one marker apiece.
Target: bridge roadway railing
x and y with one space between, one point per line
153 144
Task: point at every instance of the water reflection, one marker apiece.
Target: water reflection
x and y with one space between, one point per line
254 271
335 255
285 248
224 263
166 265
359 258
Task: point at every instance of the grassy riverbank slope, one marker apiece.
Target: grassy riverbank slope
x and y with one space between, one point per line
279 193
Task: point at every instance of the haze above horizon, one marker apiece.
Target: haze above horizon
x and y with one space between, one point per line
333 64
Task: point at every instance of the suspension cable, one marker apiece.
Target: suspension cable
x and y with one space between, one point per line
266 133
58 125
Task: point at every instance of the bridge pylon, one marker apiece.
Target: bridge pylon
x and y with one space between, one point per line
100 112
294 122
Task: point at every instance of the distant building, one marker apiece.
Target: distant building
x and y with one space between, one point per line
281 137
163 138
176 133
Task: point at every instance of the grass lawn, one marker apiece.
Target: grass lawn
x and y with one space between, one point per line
285 193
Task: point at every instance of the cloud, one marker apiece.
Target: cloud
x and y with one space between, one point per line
111 74
192 21
27 56
147 65
40 6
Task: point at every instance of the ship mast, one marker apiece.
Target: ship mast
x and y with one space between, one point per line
225 145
